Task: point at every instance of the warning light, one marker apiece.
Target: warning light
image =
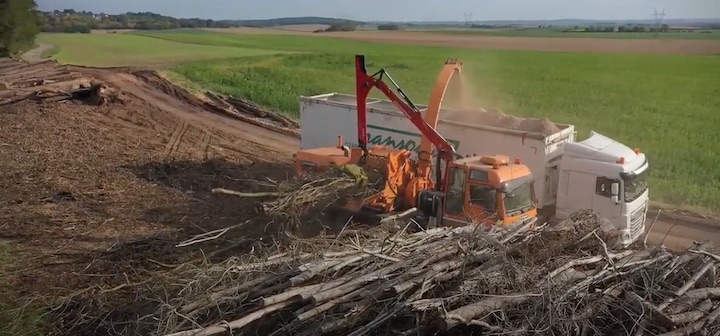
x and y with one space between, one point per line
621 160
517 160
637 150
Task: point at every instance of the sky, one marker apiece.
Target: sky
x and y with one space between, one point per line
402 10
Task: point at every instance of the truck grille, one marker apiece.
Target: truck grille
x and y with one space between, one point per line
637 219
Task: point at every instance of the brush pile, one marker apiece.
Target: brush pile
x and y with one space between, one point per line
308 197
305 200
564 280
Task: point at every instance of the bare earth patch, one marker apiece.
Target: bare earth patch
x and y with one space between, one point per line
96 197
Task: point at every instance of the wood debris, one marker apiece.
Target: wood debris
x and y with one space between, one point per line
563 280
48 81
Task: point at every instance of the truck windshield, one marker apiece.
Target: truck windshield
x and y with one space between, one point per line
635 185
519 199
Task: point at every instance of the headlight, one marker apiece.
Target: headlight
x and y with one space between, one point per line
625 238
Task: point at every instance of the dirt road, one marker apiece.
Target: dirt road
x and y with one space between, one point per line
35 55
681 234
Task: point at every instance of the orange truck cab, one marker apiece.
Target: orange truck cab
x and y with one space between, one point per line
487 190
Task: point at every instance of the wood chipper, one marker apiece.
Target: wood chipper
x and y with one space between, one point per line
487 189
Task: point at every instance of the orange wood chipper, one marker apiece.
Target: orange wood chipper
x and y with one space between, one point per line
485 189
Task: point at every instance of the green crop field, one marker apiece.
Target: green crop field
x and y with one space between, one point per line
665 105
707 34
128 50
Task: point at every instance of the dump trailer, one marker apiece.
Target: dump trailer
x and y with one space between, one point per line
598 172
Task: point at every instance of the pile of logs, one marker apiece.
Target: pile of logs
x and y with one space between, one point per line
247 107
46 81
569 279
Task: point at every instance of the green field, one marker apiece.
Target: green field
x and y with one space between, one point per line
665 105
128 50
708 34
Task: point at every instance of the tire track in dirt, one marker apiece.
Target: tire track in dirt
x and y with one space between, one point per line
254 142
204 145
176 139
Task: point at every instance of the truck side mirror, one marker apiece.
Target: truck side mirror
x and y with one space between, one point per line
615 192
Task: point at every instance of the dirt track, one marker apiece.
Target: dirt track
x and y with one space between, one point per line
556 44
99 195
35 55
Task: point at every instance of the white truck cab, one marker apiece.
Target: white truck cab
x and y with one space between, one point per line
607 176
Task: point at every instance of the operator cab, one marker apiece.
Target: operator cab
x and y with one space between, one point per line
488 188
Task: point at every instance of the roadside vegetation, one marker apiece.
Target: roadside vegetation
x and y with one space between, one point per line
19 24
661 104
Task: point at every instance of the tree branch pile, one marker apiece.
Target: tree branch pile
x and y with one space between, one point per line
565 280
309 197
305 200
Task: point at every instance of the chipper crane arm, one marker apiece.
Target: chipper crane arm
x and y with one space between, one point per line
365 83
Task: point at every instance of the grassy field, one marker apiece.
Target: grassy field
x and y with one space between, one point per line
665 105
128 50
708 34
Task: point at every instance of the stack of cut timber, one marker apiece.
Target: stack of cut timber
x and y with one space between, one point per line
564 280
44 81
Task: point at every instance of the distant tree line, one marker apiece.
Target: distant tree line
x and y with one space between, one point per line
71 21
302 20
339 27
490 26
389 26
626 29
19 24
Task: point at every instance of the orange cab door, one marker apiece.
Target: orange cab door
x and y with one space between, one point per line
455 196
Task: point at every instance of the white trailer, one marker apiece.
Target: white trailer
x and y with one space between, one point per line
597 173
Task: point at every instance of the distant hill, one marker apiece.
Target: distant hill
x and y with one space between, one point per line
709 23
305 20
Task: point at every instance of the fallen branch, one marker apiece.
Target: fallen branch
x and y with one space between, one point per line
241 194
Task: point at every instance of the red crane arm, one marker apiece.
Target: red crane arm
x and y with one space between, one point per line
365 83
